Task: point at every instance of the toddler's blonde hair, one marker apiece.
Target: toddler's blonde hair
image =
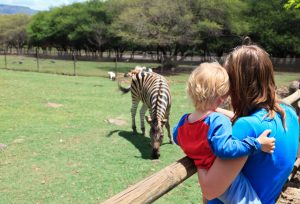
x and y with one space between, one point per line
207 82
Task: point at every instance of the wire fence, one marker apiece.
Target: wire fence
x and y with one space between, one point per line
67 66
88 65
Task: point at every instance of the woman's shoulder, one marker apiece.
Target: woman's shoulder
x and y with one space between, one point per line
253 118
290 112
247 126
288 108
251 122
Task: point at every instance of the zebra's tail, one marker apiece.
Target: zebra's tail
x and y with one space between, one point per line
123 89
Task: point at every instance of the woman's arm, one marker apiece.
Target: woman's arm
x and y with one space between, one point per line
219 177
221 174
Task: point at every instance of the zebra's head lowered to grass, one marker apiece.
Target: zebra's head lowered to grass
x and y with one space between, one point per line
156 134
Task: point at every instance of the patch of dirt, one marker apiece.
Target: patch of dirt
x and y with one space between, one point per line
116 121
291 194
2 146
54 105
18 141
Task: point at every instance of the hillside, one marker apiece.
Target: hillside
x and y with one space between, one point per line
9 9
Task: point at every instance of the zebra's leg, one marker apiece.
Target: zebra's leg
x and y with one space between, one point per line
169 132
142 118
134 106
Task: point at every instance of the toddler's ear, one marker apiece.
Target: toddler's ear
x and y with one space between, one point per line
148 119
220 100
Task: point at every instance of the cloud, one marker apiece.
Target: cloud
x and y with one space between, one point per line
40 4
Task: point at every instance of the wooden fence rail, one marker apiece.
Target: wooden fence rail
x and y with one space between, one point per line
156 185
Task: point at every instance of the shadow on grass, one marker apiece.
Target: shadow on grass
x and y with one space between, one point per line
141 142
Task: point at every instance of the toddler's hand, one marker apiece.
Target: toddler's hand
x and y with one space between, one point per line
267 143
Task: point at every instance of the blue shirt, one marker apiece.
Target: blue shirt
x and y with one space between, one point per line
267 173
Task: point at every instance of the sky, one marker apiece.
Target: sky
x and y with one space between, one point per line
39 4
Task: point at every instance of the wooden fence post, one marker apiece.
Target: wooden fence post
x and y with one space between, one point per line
5 60
37 59
74 63
116 66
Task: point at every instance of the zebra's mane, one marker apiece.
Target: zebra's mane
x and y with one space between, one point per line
155 113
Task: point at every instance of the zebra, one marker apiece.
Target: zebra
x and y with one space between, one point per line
136 70
153 90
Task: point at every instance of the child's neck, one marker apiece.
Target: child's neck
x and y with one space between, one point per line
196 115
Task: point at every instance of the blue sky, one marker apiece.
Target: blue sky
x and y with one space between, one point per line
39 4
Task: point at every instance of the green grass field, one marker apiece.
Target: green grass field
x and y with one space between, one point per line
61 147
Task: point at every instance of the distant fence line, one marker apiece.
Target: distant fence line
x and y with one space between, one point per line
138 56
280 64
289 64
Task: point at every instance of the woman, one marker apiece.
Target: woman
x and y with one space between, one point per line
255 109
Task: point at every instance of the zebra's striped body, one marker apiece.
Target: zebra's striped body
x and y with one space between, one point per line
153 90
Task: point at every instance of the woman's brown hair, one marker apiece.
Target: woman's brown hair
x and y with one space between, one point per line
252 84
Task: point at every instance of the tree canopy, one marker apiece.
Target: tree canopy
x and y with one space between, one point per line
170 28
13 30
292 4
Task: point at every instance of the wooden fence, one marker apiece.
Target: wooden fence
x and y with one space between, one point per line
158 184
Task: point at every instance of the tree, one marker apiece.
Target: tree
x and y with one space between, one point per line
221 24
13 30
167 25
98 26
274 28
292 4
39 30
170 28
77 26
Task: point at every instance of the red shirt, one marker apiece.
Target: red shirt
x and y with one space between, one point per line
192 138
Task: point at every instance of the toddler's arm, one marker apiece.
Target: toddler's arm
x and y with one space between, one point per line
227 113
224 145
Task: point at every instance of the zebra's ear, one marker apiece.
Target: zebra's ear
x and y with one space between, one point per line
164 121
148 119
